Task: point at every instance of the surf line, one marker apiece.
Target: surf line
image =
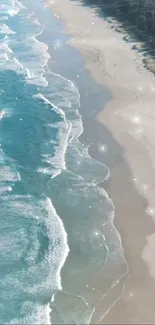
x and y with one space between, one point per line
2 113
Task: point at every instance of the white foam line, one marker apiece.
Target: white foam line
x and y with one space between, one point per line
17 61
45 51
4 18
65 243
32 78
20 4
13 12
6 56
56 108
36 21
59 158
7 47
106 313
62 136
18 176
49 171
71 85
5 189
31 14
77 130
29 76
48 312
2 113
4 29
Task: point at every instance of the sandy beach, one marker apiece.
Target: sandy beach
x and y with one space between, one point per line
130 118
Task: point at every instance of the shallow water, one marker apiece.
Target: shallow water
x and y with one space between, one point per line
52 211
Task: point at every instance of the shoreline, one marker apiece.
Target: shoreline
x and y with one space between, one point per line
97 99
130 139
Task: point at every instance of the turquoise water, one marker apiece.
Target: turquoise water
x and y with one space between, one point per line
52 212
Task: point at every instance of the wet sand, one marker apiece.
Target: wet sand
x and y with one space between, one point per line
130 117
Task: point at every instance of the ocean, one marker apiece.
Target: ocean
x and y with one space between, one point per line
61 257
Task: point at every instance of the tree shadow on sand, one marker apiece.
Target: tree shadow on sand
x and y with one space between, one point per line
136 20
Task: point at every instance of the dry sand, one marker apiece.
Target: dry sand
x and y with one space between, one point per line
130 117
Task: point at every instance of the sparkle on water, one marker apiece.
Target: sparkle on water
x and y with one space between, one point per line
57 44
136 119
56 15
151 211
139 132
145 187
103 148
